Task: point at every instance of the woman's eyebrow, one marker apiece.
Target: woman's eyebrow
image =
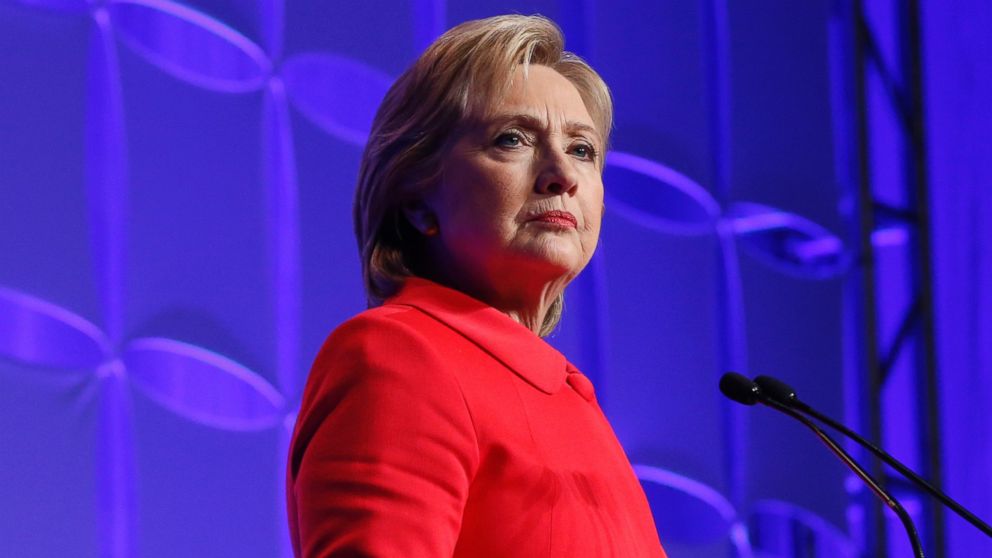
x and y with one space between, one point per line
531 122
574 128
520 119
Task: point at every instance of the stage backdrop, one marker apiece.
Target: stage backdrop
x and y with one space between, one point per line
175 244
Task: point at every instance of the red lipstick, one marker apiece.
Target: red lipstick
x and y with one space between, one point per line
557 217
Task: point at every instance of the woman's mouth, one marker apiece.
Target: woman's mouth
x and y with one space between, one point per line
557 218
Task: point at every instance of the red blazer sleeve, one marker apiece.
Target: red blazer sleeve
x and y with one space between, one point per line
384 448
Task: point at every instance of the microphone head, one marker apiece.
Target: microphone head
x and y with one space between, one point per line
740 388
777 390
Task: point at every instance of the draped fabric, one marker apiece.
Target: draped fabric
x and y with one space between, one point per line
959 86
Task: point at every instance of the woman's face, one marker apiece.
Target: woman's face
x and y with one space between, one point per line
521 194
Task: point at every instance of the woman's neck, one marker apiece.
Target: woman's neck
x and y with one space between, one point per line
526 300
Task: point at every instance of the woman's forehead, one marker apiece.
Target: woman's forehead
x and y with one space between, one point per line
539 96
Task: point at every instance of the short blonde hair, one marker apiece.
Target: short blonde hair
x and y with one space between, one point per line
455 79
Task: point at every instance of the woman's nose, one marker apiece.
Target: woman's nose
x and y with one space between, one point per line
557 176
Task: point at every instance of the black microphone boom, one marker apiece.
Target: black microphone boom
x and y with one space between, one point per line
742 390
784 394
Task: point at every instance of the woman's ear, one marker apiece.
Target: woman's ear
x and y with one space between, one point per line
421 217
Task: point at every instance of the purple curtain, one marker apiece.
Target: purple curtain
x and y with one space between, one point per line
959 87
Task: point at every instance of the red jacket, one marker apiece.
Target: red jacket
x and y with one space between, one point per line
436 426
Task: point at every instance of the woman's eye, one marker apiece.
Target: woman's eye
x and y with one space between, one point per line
509 139
584 151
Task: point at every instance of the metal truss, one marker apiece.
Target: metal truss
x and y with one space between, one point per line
891 286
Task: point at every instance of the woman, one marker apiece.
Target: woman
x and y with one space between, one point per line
439 423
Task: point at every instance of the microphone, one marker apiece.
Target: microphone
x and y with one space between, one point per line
742 390
784 394
739 388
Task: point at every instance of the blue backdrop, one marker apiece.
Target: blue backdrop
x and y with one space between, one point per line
175 244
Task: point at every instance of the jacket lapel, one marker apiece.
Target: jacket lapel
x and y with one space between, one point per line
509 342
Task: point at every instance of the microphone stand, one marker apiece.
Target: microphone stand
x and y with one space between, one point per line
892 503
747 392
785 395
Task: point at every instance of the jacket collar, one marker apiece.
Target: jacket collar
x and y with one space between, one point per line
509 342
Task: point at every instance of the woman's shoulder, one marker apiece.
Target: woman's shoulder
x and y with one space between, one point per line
380 350
381 374
389 339
387 324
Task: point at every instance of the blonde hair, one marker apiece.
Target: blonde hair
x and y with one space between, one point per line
454 80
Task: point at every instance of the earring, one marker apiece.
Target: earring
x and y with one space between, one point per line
431 230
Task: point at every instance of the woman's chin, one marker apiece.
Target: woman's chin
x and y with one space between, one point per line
555 259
